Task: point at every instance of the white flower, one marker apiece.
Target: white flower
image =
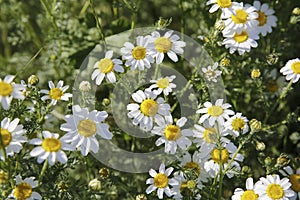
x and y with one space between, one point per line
84 86
168 44
241 42
266 19
9 90
12 136
50 147
82 128
242 18
271 188
56 93
294 177
172 135
105 67
224 5
217 112
224 155
211 73
23 189
161 181
137 56
147 108
249 194
237 124
292 70
164 85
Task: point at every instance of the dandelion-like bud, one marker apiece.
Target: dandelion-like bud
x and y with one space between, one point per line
255 124
3 177
260 146
104 172
225 62
95 184
283 160
220 25
255 73
84 86
33 80
272 58
296 11
141 197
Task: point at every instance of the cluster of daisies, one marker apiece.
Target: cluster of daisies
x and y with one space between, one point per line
242 24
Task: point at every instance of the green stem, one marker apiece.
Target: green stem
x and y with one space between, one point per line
156 71
99 27
29 62
48 11
42 172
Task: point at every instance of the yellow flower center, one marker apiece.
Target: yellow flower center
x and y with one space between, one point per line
220 155
295 181
163 44
163 83
249 195
262 18
161 180
23 191
296 67
172 132
5 88
6 137
56 93
51 144
224 3
215 111
240 17
240 38
193 166
139 52
86 128
149 107
105 65
275 191
209 135
238 124
191 184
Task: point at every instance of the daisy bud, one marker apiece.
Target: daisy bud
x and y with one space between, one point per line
260 146
282 160
84 86
268 161
141 197
62 187
33 80
225 62
255 124
3 177
53 57
255 73
105 102
220 25
246 169
95 184
104 172
296 11
272 58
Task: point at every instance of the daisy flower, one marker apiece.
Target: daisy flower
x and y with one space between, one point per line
12 135
24 189
105 67
137 56
272 188
169 44
211 73
185 186
242 17
172 135
147 108
291 70
164 85
266 19
161 181
294 177
249 194
82 128
224 5
9 90
50 147
224 155
237 124
241 42
56 93
217 112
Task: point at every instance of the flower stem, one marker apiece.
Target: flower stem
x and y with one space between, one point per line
42 172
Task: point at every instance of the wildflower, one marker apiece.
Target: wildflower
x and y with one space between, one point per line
172 135
260 146
224 5
211 73
294 177
9 90
147 108
82 128
272 58
168 44
185 186
225 62
272 188
12 136
292 70
161 181
164 85
237 124
105 67
255 124
217 112
255 73
24 189
249 194
84 86
137 56
50 148
220 25
266 19
95 184
33 80
56 93
104 172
